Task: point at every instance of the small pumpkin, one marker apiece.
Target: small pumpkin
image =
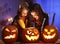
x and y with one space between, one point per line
30 34
9 33
50 34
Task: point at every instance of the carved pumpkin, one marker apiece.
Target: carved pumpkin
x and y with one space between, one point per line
9 33
50 34
30 35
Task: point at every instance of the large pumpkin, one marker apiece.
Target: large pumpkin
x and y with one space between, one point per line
30 35
50 34
9 33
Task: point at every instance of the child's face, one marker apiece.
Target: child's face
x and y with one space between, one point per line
24 12
34 14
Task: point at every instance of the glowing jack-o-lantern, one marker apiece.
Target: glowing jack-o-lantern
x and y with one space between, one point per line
50 34
9 33
30 35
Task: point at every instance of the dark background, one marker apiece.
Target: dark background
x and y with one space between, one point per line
8 8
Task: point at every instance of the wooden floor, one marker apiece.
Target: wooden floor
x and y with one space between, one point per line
58 42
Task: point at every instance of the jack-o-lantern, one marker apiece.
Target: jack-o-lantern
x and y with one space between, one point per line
50 34
30 34
9 33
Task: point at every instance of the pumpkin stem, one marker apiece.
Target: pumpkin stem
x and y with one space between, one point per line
53 19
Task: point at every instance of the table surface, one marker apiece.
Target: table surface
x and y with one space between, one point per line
58 42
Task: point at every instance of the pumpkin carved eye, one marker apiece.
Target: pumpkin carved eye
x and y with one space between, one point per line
45 30
29 32
13 30
52 30
7 30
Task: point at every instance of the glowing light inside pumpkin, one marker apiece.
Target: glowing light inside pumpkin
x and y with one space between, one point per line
32 37
48 33
52 30
10 36
7 30
28 32
45 30
14 30
49 36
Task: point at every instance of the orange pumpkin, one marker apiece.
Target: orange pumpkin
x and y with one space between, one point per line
30 35
9 33
50 34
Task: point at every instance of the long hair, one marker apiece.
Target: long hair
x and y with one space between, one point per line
23 5
37 7
19 10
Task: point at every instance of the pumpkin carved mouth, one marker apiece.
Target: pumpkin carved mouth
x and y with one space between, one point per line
32 37
49 36
10 36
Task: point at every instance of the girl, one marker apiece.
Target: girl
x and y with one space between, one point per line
20 19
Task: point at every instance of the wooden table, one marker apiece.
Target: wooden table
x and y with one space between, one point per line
58 42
